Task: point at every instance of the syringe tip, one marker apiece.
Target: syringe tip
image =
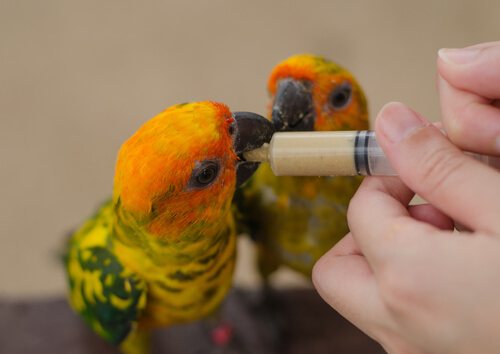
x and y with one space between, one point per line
258 155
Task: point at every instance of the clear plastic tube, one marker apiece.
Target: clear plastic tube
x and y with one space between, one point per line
334 153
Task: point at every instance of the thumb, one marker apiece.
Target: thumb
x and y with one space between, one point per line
427 162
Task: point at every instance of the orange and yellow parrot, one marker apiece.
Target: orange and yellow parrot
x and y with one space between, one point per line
162 251
295 220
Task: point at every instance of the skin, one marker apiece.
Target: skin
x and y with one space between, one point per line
401 275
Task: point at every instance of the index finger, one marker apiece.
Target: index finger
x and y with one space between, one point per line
461 187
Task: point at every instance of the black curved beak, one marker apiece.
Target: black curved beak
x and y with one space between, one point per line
251 132
293 107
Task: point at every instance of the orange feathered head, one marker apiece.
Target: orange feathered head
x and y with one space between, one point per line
311 93
180 167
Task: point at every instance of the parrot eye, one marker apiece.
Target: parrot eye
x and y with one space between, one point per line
341 96
204 174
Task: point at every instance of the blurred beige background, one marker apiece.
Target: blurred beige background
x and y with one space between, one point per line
77 78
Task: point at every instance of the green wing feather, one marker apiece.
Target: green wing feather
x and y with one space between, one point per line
106 294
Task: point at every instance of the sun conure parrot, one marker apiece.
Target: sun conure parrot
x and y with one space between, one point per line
162 251
295 220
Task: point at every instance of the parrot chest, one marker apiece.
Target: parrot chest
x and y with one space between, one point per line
297 219
179 292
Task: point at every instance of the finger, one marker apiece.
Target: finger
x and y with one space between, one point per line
438 171
429 214
345 281
471 122
469 92
347 246
438 125
380 222
461 228
474 69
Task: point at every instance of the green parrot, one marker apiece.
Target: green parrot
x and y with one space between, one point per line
295 220
162 251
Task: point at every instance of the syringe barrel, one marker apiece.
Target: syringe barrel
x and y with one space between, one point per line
335 153
371 160
369 157
332 153
313 153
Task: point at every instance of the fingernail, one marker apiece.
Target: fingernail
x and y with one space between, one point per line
458 56
397 121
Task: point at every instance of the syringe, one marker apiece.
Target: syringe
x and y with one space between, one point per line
332 153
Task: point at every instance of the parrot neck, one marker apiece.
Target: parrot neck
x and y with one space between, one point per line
167 240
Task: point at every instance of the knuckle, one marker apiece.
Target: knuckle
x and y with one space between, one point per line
437 165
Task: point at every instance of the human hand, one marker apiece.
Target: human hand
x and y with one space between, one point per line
401 275
469 92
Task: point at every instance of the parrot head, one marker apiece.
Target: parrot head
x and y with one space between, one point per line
311 93
181 167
